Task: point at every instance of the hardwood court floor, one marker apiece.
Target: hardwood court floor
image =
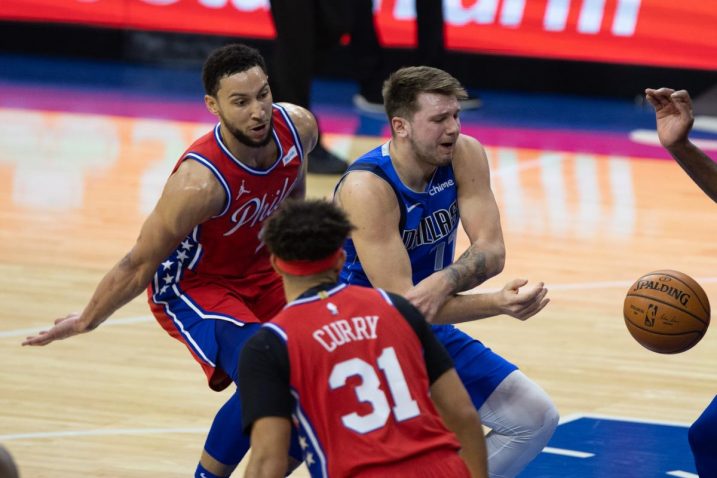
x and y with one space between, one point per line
128 401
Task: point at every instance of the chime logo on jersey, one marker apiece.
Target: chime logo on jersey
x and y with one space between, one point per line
257 209
432 228
436 188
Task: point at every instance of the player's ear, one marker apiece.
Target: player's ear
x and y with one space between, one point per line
211 103
399 126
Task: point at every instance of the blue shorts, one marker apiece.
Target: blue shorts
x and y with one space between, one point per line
231 339
481 370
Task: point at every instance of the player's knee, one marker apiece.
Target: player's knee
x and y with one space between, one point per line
545 421
552 417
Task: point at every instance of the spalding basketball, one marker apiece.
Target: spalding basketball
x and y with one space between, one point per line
666 311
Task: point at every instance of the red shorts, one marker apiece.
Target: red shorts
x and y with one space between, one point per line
435 464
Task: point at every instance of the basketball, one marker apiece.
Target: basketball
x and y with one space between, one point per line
666 311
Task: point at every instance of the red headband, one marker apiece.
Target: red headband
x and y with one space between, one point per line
308 268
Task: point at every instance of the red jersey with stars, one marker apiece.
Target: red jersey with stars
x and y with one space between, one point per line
221 270
359 379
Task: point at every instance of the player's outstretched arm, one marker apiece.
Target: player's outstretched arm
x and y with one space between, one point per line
460 416
269 448
191 196
674 116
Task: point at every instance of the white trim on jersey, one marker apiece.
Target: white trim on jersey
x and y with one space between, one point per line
201 314
310 434
315 297
201 159
385 296
198 252
292 128
277 330
259 172
184 333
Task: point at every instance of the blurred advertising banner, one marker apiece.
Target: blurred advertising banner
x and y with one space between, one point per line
672 33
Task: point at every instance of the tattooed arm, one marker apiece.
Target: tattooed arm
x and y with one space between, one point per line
436 295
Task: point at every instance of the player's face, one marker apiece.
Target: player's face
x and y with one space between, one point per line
243 103
434 128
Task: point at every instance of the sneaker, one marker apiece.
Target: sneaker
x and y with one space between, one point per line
322 161
367 106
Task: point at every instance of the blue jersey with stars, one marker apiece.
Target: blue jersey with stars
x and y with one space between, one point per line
429 218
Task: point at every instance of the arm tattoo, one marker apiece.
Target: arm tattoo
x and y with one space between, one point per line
468 271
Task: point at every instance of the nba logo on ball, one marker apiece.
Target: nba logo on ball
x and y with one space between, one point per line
666 311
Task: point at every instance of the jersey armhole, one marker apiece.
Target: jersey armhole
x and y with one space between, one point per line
208 164
376 169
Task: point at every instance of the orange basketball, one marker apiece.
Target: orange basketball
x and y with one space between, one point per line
666 311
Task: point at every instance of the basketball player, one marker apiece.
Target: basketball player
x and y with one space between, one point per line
425 180
673 112
198 254
357 369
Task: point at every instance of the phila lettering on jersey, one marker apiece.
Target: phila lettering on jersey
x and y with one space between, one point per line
429 218
252 195
365 384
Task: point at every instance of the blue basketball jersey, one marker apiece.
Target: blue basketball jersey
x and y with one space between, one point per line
429 218
428 227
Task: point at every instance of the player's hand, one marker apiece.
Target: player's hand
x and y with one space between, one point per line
673 112
64 327
429 295
522 303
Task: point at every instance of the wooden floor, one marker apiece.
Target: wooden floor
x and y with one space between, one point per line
128 401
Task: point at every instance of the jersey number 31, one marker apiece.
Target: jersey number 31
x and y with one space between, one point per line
369 391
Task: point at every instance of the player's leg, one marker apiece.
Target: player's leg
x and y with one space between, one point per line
522 419
226 445
520 414
703 441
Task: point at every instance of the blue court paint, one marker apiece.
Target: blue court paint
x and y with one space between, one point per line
611 447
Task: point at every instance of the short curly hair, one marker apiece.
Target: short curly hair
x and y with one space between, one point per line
306 230
226 61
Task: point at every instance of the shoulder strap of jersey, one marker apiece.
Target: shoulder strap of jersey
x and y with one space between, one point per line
378 171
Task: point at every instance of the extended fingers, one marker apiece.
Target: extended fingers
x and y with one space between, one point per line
532 309
39 339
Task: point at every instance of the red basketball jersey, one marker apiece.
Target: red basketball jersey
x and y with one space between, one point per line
224 255
228 245
359 378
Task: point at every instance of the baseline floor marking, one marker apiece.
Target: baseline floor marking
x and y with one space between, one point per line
564 452
100 432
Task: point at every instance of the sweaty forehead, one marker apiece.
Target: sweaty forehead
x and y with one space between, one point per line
247 82
430 104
